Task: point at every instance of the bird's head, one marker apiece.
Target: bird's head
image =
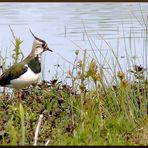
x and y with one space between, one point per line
39 46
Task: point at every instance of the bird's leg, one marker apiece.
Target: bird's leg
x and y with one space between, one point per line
19 95
4 92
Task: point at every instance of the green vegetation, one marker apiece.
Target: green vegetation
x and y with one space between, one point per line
92 110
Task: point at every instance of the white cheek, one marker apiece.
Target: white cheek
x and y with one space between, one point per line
38 51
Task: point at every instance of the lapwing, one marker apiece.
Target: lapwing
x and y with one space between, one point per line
26 72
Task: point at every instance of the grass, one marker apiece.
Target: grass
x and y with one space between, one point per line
91 110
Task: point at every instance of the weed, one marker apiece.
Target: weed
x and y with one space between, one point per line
91 110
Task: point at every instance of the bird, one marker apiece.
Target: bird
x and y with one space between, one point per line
26 72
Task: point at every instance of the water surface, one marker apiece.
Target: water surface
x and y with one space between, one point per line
120 26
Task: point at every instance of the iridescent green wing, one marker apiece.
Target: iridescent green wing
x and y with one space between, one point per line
13 72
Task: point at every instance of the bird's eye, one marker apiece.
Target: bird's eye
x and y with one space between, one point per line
44 45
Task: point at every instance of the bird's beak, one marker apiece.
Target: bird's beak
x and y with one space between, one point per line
49 49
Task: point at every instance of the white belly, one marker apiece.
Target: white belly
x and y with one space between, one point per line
24 80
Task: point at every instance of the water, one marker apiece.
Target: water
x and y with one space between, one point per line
119 26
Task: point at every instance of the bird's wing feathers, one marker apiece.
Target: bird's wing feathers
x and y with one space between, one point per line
12 73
